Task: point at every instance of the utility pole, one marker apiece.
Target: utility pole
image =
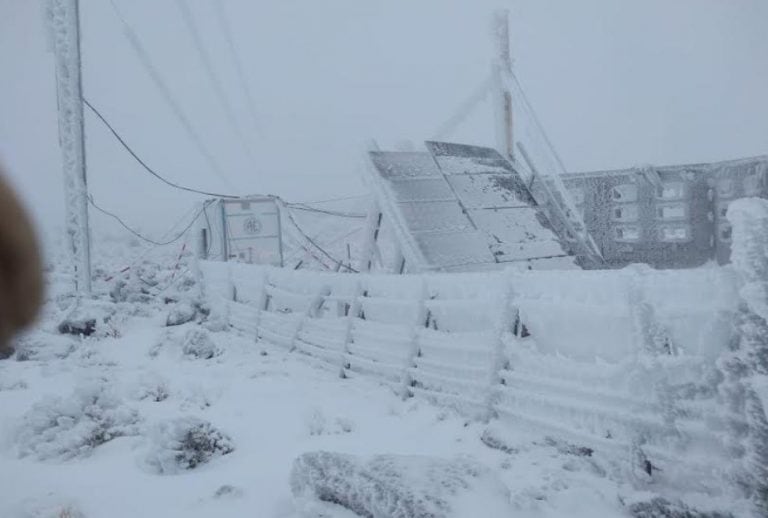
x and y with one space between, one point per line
501 73
63 20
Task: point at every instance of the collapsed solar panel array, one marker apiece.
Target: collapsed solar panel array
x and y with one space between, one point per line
459 207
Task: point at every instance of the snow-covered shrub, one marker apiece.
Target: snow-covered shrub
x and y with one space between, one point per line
151 387
181 313
63 428
88 317
13 385
183 444
662 508
39 345
318 424
228 491
50 506
196 343
398 486
491 438
199 344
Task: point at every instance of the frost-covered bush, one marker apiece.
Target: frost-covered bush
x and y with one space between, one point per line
199 344
318 424
39 345
151 386
196 343
63 428
183 444
663 508
88 317
398 486
181 313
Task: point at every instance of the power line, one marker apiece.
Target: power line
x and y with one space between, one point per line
304 207
143 164
154 74
344 198
221 16
138 234
150 170
218 88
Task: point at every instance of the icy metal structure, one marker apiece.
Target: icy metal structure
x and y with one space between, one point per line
462 208
667 217
63 24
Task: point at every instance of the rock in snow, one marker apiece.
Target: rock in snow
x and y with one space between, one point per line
400 486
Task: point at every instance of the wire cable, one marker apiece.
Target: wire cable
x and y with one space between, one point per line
143 164
344 198
226 29
138 234
302 206
167 96
213 78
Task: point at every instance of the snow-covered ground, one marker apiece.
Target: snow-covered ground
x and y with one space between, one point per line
195 420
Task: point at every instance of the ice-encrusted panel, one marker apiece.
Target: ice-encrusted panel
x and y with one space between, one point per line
490 190
392 165
422 189
440 216
450 249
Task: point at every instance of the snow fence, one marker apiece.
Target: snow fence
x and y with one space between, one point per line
617 360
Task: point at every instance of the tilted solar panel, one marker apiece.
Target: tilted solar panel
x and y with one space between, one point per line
462 207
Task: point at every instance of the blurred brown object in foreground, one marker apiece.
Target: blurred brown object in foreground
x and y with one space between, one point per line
21 279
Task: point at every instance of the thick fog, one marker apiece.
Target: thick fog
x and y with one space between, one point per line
615 84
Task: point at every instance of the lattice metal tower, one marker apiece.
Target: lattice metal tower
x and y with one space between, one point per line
64 36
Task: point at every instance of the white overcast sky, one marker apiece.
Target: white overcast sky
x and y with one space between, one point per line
616 83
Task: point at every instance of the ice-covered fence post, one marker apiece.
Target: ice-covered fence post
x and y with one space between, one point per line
651 344
315 303
745 367
419 322
353 311
261 300
371 235
63 27
504 321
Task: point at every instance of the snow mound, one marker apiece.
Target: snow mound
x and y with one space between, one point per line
400 486
183 444
63 428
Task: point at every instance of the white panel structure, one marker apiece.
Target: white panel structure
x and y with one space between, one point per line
459 208
246 230
252 230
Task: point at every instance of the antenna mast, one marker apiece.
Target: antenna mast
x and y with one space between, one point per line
501 69
63 19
